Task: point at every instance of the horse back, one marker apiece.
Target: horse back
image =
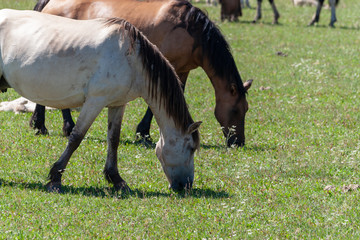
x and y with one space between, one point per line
158 20
57 61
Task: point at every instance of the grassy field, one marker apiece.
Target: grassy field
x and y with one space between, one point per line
301 136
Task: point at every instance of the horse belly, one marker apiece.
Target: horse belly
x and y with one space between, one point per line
60 86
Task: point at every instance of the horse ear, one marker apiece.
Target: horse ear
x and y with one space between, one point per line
193 127
233 89
247 84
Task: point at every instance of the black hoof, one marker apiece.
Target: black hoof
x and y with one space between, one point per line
42 131
54 187
123 187
67 129
144 140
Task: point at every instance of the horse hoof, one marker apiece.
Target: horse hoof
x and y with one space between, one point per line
144 140
67 129
53 187
123 187
42 131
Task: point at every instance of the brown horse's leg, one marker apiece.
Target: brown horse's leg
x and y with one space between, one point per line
37 120
89 112
316 17
143 128
68 122
111 172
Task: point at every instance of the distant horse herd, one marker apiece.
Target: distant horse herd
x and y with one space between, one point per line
231 10
107 62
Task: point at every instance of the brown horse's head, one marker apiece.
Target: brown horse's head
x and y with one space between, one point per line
230 110
216 59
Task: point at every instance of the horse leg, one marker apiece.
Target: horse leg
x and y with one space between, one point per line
275 11
316 17
111 172
258 11
91 109
143 128
68 122
333 12
37 120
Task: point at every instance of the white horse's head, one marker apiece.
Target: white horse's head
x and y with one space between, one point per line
176 154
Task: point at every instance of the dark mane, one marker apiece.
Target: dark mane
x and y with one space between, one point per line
40 5
214 46
161 75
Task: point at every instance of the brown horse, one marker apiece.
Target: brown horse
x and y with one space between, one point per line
231 10
187 38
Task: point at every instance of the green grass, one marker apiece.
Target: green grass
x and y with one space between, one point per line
301 136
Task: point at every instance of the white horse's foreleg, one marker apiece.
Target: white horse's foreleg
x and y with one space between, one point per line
333 19
90 110
111 172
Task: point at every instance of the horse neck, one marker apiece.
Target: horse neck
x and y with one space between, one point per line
165 122
219 84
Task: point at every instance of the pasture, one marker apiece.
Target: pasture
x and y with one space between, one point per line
293 178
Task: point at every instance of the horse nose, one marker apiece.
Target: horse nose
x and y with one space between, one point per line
235 140
181 185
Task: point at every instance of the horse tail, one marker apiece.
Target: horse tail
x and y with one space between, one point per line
40 5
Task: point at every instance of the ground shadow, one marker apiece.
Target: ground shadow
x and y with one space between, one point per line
317 25
108 192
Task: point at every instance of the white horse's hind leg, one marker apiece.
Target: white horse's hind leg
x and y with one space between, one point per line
90 110
115 116
333 19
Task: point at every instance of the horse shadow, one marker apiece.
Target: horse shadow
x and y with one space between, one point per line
108 192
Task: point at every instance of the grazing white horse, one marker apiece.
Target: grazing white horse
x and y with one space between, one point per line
65 63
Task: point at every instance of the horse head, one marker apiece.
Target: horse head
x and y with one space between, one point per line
230 111
175 150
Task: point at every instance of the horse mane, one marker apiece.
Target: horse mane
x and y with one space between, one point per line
214 46
40 5
161 75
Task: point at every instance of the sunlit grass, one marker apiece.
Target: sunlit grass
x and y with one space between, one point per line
302 135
